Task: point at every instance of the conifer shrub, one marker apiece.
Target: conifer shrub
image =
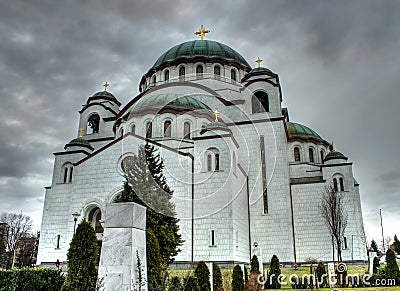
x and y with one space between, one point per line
246 274
82 259
392 269
175 284
203 276
217 278
273 274
154 265
190 284
237 279
254 265
321 271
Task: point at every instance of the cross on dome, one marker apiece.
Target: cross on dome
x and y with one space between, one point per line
105 86
81 130
216 112
258 61
202 32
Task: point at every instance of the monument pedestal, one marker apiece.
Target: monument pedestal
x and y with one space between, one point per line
124 241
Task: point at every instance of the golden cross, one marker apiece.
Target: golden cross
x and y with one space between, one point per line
202 32
105 86
258 61
81 130
216 115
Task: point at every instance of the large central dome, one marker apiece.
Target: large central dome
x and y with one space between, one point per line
209 49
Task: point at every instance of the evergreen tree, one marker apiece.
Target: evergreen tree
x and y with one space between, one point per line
175 284
396 245
203 276
147 186
321 271
217 277
3 255
392 269
246 274
255 265
374 246
273 274
154 264
237 279
375 265
82 259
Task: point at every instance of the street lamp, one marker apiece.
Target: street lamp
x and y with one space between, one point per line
76 214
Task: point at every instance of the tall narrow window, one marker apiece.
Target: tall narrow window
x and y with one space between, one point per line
186 130
341 184
264 174
259 102
216 162
212 238
209 162
149 129
182 74
70 174
311 155
93 124
335 185
154 81
217 72
345 242
296 153
166 75
322 156
199 72
167 128
65 175
233 75
58 242
133 129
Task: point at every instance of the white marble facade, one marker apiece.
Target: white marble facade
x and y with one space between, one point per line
218 172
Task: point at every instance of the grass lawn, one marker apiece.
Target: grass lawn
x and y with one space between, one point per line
227 277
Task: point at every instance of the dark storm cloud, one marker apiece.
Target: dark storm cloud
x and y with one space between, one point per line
337 60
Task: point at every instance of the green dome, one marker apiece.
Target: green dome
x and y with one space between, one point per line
103 94
261 69
208 49
170 101
80 142
301 131
332 155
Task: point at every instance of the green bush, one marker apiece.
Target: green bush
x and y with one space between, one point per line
154 265
28 279
255 265
190 284
203 276
273 274
175 284
321 271
237 279
217 277
392 269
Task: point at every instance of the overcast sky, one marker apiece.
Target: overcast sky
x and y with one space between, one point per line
338 62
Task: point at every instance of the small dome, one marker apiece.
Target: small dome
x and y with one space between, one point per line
209 49
261 69
297 130
334 155
215 125
103 94
79 142
174 101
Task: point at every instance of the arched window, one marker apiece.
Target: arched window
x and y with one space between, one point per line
153 82
213 159
311 155
322 153
167 128
94 218
217 72
341 184
133 129
93 124
186 130
67 171
121 133
259 102
71 169
166 75
199 72
296 153
127 164
335 185
65 175
182 74
149 129
233 75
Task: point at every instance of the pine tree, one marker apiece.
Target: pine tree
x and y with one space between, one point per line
217 277
392 269
82 259
396 245
321 271
375 265
237 279
203 276
154 264
147 186
273 274
254 265
374 246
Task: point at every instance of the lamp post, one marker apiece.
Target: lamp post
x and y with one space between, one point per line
76 214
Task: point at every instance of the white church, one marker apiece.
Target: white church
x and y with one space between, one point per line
245 179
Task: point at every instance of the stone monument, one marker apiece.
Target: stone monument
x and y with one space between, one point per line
124 244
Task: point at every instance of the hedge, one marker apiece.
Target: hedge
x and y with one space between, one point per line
28 279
